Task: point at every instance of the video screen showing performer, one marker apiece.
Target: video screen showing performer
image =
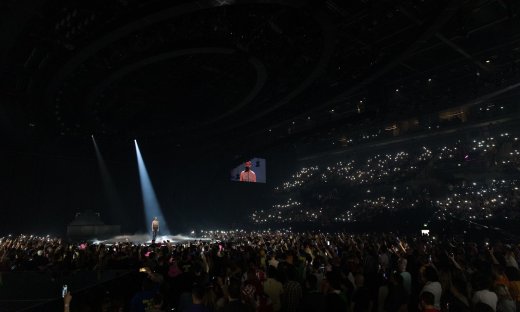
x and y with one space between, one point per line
247 175
251 171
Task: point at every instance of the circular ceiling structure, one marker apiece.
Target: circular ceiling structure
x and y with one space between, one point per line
182 89
189 69
232 72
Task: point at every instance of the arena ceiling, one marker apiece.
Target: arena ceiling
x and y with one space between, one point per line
225 72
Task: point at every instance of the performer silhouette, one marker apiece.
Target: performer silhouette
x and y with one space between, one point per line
155 228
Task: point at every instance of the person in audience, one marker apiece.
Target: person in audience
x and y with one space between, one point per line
513 276
505 301
457 296
143 298
427 302
292 290
235 303
406 276
432 285
197 296
361 299
481 284
313 300
397 299
273 288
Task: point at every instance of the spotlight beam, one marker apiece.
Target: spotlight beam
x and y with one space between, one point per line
113 198
151 204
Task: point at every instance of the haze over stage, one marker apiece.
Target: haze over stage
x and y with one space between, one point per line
147 239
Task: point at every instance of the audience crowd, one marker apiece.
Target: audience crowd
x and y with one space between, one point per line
286 271
359 190
477 201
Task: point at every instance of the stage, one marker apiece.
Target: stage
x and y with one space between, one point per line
147 239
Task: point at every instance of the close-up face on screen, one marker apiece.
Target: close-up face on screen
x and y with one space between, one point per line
251 171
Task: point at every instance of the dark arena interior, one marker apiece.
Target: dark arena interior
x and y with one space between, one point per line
260 155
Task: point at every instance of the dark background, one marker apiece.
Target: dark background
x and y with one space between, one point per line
41 191
205 85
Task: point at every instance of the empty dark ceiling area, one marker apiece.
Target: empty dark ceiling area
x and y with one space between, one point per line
221 73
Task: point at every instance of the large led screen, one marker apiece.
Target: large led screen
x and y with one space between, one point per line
251 171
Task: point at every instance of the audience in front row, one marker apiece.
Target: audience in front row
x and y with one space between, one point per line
283 271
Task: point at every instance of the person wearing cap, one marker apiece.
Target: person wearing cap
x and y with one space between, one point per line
248 175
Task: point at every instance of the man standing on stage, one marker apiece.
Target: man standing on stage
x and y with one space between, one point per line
155 228
248 175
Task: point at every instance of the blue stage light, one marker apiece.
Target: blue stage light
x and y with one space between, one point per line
113 198
151 205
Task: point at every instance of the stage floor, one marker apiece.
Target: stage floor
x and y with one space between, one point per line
147 239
